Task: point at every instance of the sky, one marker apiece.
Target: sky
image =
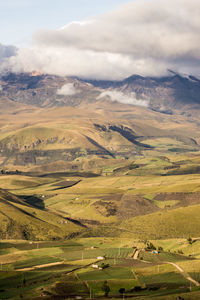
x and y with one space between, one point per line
109 40
19 19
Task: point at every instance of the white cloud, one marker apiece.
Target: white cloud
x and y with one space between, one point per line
144 37
123 98
67 90
77 23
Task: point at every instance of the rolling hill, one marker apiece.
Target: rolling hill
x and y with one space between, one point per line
85 136
20 220
89 158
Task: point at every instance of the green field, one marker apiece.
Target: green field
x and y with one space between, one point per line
73 275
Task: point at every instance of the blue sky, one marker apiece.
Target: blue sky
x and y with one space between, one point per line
19 19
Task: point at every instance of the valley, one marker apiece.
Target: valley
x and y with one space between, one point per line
89 181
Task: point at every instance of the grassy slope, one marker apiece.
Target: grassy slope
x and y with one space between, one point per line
181 222
92 198
134 185
19 220
58 129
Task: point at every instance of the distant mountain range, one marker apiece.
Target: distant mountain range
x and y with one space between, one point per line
162 93
176 92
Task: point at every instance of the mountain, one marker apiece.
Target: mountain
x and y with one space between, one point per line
164 94
176 92
43 90
43 130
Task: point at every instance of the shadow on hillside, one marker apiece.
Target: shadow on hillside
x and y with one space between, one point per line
34 201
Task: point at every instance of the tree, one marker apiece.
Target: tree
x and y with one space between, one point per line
23 280
106 288
122 291
190 241
104 266
150 246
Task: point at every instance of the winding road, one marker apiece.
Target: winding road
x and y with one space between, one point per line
188 277
183 273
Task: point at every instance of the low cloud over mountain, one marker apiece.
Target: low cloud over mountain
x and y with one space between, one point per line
123 98
68 90
144 37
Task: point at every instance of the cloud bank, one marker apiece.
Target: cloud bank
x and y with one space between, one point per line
6 52
144 37
123 98
67 90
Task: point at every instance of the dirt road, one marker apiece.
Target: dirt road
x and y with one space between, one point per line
41 266
188 277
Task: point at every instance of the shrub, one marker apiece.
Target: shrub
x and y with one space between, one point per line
150 246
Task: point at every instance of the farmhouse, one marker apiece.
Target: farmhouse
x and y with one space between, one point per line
95 266
100 257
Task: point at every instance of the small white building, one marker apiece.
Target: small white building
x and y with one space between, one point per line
95 266
100 258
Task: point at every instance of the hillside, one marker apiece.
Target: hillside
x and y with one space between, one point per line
20 220
84 137
181 222
93 160
126 195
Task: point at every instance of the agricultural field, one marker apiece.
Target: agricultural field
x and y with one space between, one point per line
65 269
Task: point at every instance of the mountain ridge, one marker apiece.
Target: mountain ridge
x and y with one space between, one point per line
167 94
